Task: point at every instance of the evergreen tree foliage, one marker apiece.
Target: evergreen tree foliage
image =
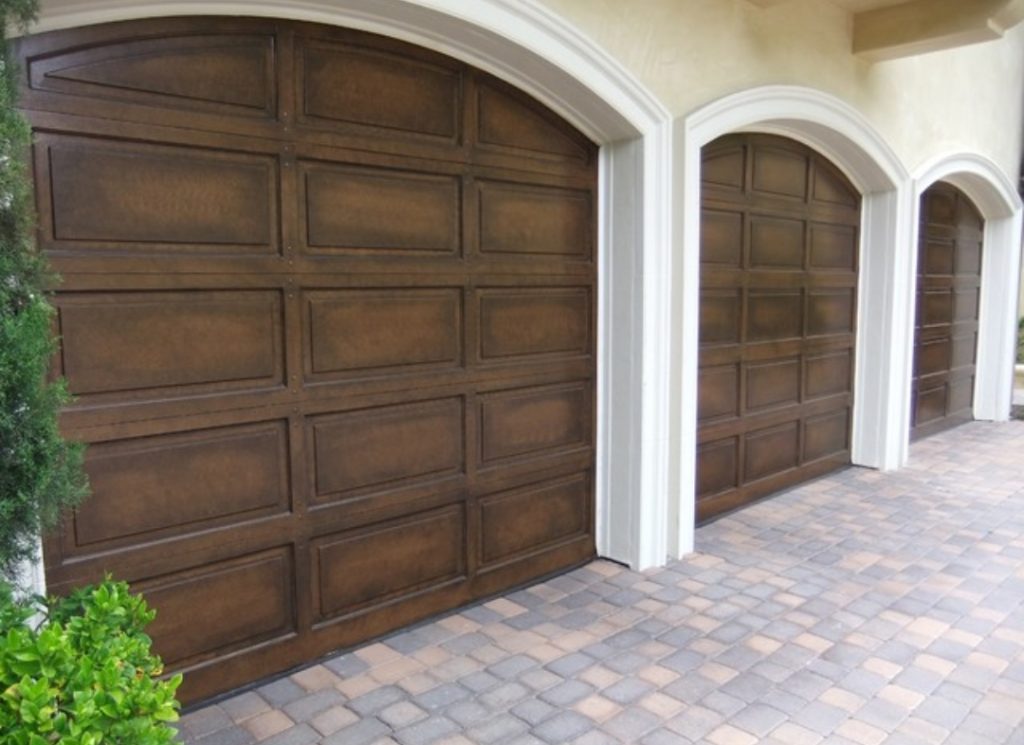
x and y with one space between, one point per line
40 473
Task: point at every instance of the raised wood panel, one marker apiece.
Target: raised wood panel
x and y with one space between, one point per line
773 383
828 374
778 319
948 290
533 517
720 394
151 487
385 446
830 312
507 120
725 167
517 323
717 466
828 434
937 257
774 316
719 317
833 247
372 332
771 451
360 210
146 198
323 295
221 607
356 571
374 89
225 73
535 220
779 172
134 345
534 421
776 243
721 238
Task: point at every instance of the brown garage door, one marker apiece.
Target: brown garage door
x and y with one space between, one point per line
328 313
946 334
777 319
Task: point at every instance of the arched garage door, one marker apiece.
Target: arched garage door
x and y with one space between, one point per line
948 295
328 314
779 237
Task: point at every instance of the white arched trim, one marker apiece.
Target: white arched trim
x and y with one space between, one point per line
845 137
535 50
994 196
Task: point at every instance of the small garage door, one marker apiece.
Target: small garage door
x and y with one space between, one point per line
779 237
328 316
946 334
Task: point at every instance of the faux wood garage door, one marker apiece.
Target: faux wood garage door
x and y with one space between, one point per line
777 319
946 334
328 314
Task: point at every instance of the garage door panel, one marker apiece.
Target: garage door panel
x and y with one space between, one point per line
793 298
515 219
533 322
776 243
199 612
968 255
145 199
779 173
720 313
168 485
721 237
507 532
313 325
371 89
358 571
830 312
366 333
385 447
359 210
534 421
828 374
230 74
771 450
826 434
833 247
717 466
772 384
509 122
720 392
937 257
151 345
774 315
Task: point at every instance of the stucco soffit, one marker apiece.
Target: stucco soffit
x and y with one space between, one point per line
921 26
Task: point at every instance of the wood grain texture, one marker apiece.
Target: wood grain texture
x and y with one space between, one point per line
779 231
328 310
948 291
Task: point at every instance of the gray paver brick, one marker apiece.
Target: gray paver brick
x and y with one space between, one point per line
862 600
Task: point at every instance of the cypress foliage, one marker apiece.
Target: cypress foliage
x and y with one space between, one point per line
40 473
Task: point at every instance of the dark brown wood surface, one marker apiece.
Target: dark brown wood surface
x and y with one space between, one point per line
328 315
779 252
946 332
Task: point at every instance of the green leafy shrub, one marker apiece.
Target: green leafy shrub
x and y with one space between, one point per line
83 674
40 474
1020 341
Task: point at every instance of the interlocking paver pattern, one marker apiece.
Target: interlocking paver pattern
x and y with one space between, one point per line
860 609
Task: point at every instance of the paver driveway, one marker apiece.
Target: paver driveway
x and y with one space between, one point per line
861 608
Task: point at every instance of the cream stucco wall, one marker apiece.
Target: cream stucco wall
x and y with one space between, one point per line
690 52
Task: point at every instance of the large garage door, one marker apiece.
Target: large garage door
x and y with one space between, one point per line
777 318
946 335
328 314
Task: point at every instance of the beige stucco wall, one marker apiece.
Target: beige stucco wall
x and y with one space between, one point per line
689 52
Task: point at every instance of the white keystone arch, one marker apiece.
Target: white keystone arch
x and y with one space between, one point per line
885 298
994 196
536 51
